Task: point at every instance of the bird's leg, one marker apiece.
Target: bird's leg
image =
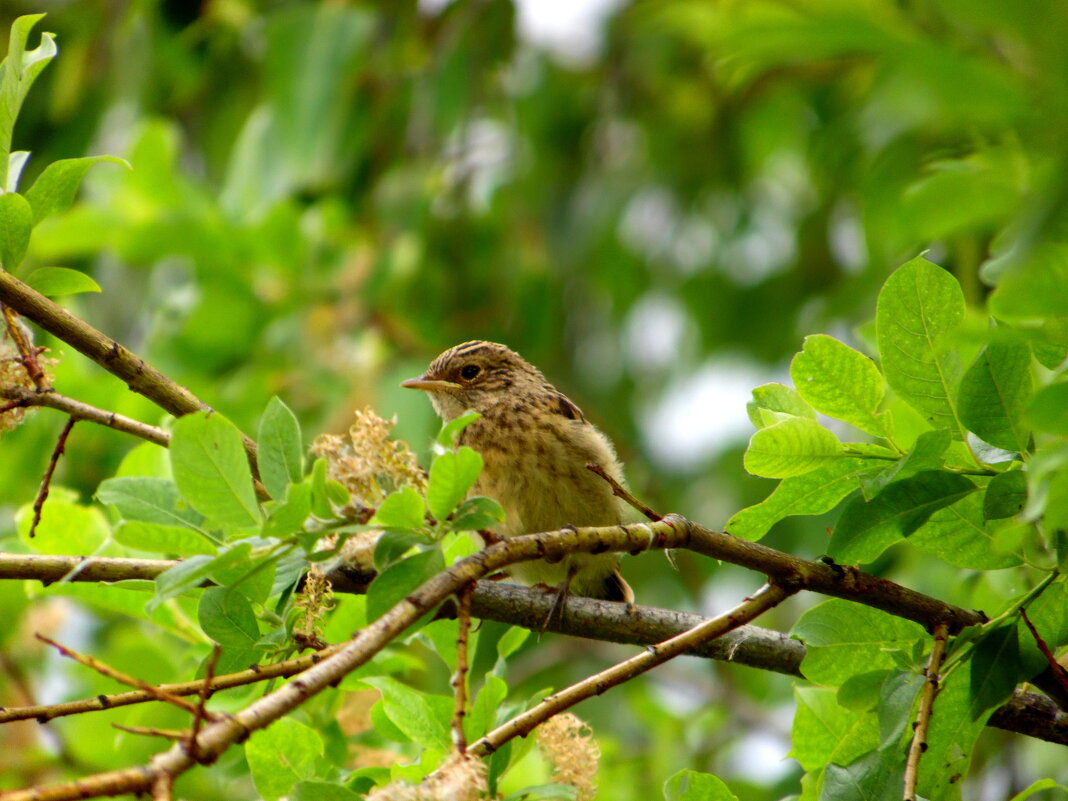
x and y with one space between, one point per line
561 591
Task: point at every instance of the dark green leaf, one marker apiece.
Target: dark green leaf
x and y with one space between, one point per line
281 452
1005 495
993 394
993 669
866 529
861 692
958 535
398 580
876 776
926 454
897 698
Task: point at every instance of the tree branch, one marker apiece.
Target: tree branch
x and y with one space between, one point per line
139 375
83 411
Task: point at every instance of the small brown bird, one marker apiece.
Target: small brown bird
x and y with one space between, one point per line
535 444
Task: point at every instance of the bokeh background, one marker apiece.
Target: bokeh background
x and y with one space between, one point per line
653 201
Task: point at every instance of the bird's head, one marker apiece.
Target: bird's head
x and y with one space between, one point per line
476 376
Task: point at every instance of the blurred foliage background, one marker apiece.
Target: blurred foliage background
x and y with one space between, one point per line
326 195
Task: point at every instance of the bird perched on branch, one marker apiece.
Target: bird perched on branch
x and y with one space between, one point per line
535 444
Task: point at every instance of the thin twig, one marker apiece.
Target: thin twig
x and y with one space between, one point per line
21 396
923 716
204 695
1060 675
119 676
27 352
622 492
765 598
459 679
46 482
139 375
166 734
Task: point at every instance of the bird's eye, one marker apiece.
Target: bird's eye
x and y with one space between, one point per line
469 371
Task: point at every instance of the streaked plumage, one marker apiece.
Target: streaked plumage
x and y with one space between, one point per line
536 444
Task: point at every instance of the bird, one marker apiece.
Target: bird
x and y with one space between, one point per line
535 444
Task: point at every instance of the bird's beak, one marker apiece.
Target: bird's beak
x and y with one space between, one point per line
429 384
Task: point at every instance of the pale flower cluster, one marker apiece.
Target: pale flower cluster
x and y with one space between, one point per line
568 744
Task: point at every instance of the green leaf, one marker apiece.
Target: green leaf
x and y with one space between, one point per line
451 477
926 454
689 785
862 691
16 222
876 776
950 738
211 469
1034 286
281 755
845 639
993 395
451 430
191 573
227 617
993 669
477 513
398 580
773 403
56 186
958 535
1038 786
813 493
1048 410
896 700
18 71
280 449
56 281
162 539
792 447
67 527
866 529
252 578
1005 496
483 715
823 729
840 382
412 713
919 305
402 509
288 517
315 790
151 500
